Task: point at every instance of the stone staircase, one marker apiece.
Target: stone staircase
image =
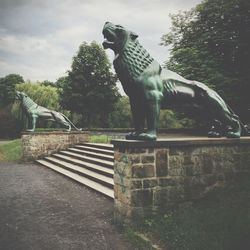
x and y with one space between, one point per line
90 164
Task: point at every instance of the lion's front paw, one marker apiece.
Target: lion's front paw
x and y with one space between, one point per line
215 131
132 136
141 136
214 134
146 137
30 130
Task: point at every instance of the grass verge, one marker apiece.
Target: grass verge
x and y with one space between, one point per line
221 221
11 151
100 139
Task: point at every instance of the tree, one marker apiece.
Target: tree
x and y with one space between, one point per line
90 87
61 82
9 126
211 44
48 83
121 116
7 88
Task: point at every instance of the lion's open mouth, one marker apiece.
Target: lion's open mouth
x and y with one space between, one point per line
109 37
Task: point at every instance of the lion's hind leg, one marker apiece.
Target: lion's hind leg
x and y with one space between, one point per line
218 109
69 126
58 117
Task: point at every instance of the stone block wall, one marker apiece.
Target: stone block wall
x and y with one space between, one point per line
151 177
39 144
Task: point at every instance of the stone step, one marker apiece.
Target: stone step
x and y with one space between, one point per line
81 179
94 160
94 176
92 154
81 161
91 148
100 145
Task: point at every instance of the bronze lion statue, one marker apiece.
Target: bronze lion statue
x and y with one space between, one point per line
34 111
150 88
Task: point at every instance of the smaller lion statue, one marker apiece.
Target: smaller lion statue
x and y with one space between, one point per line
150 88
34 111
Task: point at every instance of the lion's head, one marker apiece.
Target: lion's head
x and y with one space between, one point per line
19 95
116 36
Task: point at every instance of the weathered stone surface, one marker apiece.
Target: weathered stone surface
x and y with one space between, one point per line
121 157
167 181
147 158
122 168
176 161
121 211
162 162
244 162
141 212
161 196
122 194
177 171
221 177
136 184
188 159
134 158
122 180
143 171
136 150
150 183
150 150
141 198
189 170
177 193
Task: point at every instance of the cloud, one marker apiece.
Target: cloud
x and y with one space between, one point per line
39 38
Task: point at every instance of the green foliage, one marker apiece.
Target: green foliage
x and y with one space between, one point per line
121 116
90 87
11 151
211 44
7 88
48 83
100 139
219 221
62 82
171 119
137 242
46 96
10 127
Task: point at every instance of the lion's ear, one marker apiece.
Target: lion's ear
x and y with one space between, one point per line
133 35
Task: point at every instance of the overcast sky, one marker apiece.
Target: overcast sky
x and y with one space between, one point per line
38 38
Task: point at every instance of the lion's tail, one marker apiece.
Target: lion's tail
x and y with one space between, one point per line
66 118
244 129
71 123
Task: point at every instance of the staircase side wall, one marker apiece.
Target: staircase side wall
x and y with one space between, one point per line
40 144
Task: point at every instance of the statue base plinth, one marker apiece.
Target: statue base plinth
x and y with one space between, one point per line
151 177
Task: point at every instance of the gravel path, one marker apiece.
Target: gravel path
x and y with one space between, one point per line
40 209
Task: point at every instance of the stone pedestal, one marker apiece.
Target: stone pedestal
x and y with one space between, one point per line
39 144
151 177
